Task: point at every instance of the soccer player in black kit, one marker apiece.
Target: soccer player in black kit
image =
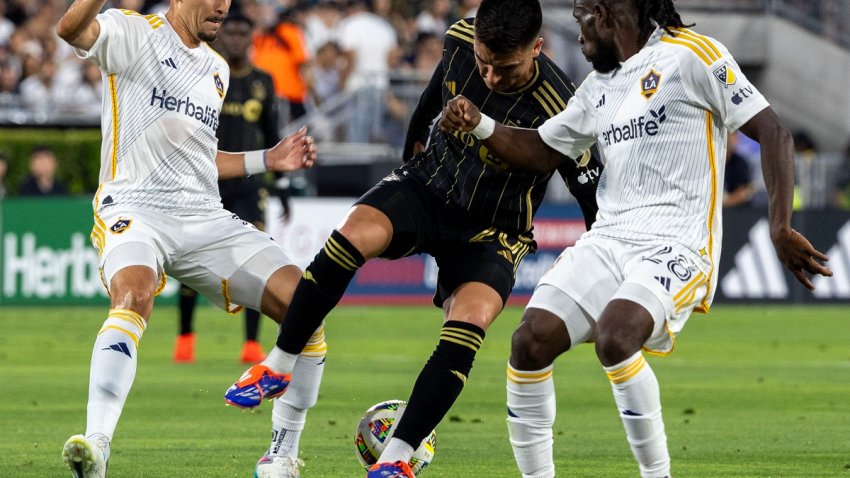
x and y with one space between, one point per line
248 121
453 200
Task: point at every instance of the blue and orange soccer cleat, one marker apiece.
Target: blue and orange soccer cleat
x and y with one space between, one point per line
258 383
398 469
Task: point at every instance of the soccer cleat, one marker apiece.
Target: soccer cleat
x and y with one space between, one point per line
85 459
278 467
252 352
184 348
398 469
258 383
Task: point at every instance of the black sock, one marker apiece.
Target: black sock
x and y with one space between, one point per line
319 290
252 324
188 297
440 382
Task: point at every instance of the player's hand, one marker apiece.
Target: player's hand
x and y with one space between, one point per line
292 153
459 114
799 256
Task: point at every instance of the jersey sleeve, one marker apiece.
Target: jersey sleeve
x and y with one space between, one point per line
572 131
122 33
715 81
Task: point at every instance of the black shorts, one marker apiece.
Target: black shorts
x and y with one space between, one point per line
465 250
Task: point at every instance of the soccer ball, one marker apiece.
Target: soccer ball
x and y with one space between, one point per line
375 430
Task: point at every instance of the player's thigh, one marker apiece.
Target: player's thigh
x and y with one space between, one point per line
129 241
666 281
229 261
588 275
397 210
475 303
553 320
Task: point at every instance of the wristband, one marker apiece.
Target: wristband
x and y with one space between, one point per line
485 127
255 162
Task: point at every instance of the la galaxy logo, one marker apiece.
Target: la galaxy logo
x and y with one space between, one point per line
649 84
726 75
121 225
219 86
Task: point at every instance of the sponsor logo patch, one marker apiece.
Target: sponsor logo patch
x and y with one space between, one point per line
121 225
726 75
649 84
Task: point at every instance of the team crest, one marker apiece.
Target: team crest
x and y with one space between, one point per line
219 85
726 75
121 225
649 84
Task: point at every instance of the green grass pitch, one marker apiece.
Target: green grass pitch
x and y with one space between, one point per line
750 392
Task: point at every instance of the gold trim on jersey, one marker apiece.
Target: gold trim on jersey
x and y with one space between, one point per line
113 93
162 280
703 40
712 161
685 296
154 20
700 45
98 232
662 353
461 31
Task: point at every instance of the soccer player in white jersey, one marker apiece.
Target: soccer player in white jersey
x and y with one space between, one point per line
658 106
158 209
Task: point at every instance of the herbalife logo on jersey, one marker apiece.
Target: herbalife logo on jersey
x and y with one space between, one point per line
647 125
202 113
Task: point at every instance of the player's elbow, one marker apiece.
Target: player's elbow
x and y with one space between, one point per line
66 30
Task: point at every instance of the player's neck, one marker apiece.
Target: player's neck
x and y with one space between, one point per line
239 66
628 42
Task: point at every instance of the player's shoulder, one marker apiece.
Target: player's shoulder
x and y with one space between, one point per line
691 47
462 31
131 17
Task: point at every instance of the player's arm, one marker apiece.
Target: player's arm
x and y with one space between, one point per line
78 25
777 160
520 147
292 153
428 108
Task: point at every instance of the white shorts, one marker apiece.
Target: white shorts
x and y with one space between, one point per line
663 278
222 257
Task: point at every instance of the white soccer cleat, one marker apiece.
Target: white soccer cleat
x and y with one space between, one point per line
278 467
85 459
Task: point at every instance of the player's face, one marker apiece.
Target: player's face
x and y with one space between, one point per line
506 71
234 40
598 50
204 17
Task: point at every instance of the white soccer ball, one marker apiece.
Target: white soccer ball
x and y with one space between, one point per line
375 430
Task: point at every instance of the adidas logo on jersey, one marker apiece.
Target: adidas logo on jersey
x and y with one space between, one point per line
647 125
169 62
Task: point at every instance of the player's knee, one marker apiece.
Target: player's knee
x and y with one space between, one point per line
139 300
534 345
613 347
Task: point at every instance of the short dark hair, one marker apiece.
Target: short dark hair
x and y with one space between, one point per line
41 149
506 26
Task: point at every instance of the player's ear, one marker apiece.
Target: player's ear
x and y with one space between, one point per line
538 46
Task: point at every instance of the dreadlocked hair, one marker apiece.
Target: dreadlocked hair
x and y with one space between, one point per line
661 13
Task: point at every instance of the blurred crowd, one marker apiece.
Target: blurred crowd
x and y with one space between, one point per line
314 49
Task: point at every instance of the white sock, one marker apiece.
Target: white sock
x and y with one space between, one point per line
290 410
397 450
113 368
531 414
280 361
638 399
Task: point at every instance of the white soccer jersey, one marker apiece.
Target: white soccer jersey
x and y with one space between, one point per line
660 122
159 116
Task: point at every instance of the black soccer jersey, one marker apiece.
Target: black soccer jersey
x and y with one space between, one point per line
459 168
248 122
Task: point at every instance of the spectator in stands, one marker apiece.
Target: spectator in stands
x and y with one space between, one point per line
426 54
4 167
86 87
325 74
435 18
320 24
39 91
282 52
41 180
10 75
370 44
738 185
6 26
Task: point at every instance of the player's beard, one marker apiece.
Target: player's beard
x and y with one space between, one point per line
605 60
207 37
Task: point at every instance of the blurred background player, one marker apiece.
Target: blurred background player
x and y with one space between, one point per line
452 200
248 121
42 180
